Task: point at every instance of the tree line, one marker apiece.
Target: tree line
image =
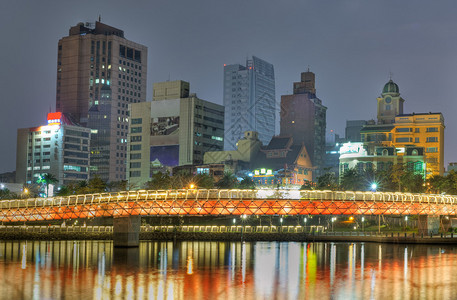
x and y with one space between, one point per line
397 178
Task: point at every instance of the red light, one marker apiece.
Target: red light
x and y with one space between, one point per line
54 116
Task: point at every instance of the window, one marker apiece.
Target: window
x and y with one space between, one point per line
432 129
135 165
135 138
135 174
404 130
432 139
432 149
416 140
135 147
135 156
137 121
136 129
403 140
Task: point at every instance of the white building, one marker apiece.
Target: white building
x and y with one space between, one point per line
60 148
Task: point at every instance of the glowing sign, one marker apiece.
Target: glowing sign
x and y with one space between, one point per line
352 149
54 118
263 172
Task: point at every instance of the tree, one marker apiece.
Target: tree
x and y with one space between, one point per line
117 186
5 194
436 184
94 185
247 183
48 179
307 185
159 181
229 181
351 180
203 181
327 181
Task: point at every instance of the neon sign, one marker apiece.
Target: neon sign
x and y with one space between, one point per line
54 118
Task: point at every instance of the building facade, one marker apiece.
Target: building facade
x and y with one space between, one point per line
240 159
282 162
363 158
99 73
352 131
424 130
172 132
303 117
249 100
60 148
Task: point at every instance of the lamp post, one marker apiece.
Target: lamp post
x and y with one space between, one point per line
363 219
374 186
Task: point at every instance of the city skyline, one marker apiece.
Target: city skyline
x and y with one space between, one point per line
351 47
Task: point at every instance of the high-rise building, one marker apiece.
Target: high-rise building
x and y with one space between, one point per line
60 148
249 100
303 117
352 132
172 132
399 130
99 73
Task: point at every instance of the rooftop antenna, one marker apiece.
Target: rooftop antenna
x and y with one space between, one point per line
99 18
307 69
390 75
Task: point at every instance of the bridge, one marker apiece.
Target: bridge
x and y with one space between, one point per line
126 205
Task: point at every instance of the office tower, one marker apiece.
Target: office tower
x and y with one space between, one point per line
303 117
249 100
60 148
99 73
172 132
352 132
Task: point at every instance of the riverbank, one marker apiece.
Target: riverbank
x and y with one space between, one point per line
234 236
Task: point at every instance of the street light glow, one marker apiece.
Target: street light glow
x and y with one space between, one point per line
374 186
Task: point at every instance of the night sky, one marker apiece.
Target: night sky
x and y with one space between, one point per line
352 46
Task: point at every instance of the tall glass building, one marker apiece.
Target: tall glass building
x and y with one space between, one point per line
249 100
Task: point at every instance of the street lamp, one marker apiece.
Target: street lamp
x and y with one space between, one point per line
374 186
234 220
333 220
363 219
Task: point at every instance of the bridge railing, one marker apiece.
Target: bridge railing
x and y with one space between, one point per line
213 194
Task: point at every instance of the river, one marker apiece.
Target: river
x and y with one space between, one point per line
226 270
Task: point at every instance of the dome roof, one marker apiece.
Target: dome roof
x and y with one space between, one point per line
390 87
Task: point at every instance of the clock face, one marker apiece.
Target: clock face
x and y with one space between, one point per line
388 99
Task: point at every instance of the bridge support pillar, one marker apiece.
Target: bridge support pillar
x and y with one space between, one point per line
428 224
445 223
126 231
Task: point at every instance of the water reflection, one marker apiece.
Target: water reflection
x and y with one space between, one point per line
211 270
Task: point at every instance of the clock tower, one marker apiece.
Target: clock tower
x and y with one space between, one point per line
390 104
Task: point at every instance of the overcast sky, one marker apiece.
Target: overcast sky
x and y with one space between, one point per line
351 46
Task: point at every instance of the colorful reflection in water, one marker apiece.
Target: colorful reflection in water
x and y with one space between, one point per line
214 270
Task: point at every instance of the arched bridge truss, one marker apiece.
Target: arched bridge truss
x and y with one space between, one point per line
225 202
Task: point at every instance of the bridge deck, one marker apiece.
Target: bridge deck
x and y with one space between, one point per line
226 202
